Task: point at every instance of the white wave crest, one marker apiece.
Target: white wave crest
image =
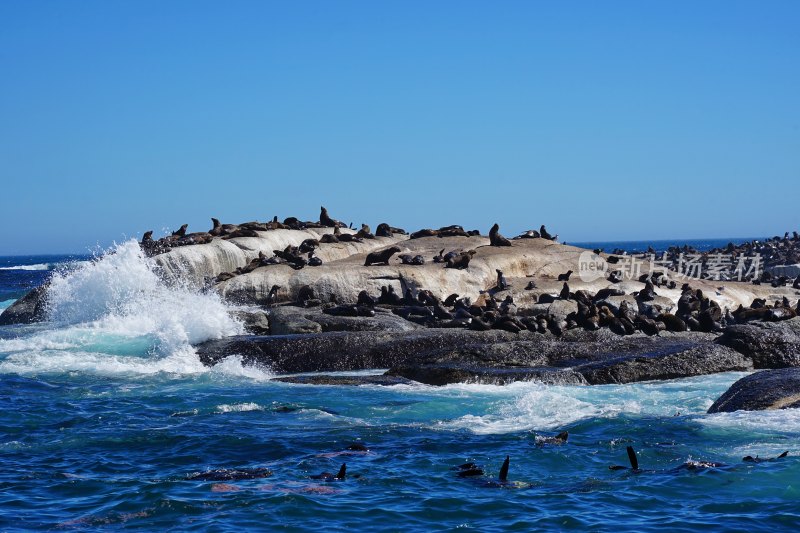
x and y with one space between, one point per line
115 314
238 407
40 266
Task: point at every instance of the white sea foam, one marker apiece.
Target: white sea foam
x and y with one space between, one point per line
780 421
115 315
233 367
531 407
239 407
40 266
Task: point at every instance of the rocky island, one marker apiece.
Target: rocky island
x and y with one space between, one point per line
449 305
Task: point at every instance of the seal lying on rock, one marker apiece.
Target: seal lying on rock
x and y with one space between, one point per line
460 261
408 259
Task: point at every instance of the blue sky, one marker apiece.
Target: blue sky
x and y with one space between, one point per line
604 120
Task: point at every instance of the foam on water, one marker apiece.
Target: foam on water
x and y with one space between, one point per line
239 407
525 406
4 304
116 315
41 266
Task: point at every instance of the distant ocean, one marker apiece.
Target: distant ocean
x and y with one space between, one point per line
633 247
106 413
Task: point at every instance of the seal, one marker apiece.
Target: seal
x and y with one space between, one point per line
389 297
326 220
181 231
564 295
308 245
381 256
565 276
305 294
495 239
757 459
530 234
502 283
545 234
272 297
408 259
313 260
631 458
365 233
424 233
383 230
460 261
327 476
218 229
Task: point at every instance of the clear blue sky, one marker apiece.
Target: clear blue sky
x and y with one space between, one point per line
604 120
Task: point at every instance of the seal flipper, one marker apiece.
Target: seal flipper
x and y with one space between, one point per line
784 454
342 472
563 436
632 458
504 470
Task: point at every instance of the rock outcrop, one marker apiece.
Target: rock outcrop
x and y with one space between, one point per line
768 344
438 357
768 389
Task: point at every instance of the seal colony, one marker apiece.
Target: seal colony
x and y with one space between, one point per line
487 294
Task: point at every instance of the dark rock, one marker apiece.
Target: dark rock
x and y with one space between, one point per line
29 309
768 344
345 380
670 362
444 375
440 356
288 321
255 322
768 389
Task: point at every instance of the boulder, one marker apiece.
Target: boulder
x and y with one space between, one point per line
768 389
29 309
255 322
768 344
675 362
290 321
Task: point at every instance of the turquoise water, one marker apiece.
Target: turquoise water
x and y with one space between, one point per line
106 413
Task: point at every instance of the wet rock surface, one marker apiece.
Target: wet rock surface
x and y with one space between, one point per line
764 390
768 344
27 310
344 380
439 357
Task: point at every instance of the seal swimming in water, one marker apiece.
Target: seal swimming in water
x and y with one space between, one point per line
327 476
381 256
631 458
757 459
495 239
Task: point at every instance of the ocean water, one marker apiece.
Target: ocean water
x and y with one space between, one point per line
106 414
635 247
